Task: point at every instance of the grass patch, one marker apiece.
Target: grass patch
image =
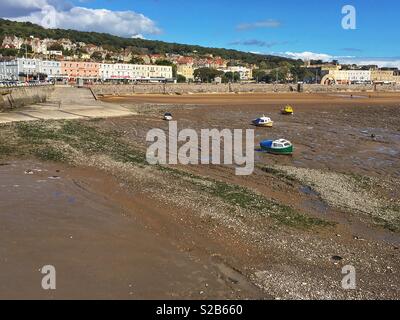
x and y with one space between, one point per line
361 181
393 226
278 173
5 150
41 138
48 153
247 199
85 138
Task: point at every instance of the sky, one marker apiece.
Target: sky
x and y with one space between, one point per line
306 29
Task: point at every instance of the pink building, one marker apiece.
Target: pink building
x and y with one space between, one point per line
80 69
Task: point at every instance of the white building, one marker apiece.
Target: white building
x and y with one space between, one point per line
55 53
9 70
12 42
121 71
51 68
339 76
118 71
244 72
28 67
38 46
359 76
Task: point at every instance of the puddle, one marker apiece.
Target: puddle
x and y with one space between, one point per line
348 96
308 190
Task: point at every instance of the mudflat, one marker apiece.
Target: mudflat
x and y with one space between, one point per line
141 231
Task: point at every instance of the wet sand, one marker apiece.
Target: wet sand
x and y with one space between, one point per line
99 239
265 99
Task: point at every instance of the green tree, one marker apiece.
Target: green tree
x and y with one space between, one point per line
55 47
137 60
181 78
207 74
262 76
97 56
231 77
8 52
25 48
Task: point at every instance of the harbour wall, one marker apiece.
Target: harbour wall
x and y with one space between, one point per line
16 97
129 89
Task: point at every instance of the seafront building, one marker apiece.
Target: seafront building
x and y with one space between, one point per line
186 70
385 76
14 69
244 72
9 70
52 69
136 72
338 76
75 70
28 69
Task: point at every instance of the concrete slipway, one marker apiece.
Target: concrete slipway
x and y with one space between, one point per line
66 103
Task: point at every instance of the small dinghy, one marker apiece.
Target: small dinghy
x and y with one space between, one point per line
263 122
168 116
280 146
288 110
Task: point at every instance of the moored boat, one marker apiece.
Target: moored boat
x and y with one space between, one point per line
263 122
288 110
281 146
168 116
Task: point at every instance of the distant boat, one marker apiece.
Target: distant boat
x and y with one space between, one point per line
288 110
263 122
280 146
168 116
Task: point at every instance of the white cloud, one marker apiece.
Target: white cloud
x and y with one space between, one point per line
307 55
380 62
393 62
271 23
138 36
121 23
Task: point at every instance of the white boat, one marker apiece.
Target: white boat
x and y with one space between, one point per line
168 117
263 122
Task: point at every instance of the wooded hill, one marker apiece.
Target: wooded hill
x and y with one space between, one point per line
139 46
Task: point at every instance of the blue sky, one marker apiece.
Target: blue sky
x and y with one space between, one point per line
297 28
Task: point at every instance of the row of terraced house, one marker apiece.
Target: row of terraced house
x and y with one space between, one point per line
23 69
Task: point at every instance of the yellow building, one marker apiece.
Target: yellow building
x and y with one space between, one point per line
186 71
384 76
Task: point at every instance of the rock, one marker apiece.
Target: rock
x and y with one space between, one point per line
336 258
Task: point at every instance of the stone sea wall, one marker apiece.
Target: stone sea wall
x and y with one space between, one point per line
11 98
128 89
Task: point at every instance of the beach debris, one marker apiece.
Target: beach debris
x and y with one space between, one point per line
30 172
54 178
336 258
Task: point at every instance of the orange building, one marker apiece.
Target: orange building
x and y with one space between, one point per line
80 70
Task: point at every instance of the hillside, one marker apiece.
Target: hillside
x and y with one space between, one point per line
26 29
